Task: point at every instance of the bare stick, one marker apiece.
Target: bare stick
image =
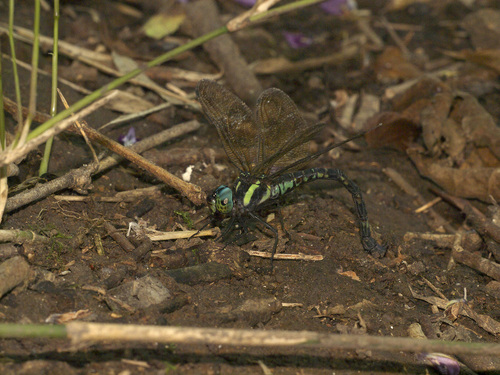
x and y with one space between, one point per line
92 332
428 205
480 222
153 141
266 254
474 260
78 198
78 177
470 240
119 237
80 332
190 191
21 236
484 321
123 196
165 236
277 65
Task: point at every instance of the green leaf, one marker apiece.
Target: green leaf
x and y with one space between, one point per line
163 24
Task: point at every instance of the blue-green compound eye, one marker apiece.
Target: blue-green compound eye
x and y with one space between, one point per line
221 200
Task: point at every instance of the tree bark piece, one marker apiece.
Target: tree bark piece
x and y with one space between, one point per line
224 52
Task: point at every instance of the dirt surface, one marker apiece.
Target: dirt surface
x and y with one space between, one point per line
85 270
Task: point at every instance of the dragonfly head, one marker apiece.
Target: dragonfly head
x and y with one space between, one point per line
220 201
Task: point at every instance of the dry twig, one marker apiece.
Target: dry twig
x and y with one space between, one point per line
480 222
94 332
266 254
82 176
190 191
474 260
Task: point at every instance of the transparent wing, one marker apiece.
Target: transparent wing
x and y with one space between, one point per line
285 134
240 135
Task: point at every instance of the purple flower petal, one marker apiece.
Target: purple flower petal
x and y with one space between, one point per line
246 3
297 40
443 363
337 7
128 139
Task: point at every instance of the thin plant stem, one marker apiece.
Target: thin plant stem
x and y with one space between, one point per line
2 112
14 65
121 80
34 76
33 331
44 165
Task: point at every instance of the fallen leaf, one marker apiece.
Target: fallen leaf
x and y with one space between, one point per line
164 23
397 131
392 66
477 183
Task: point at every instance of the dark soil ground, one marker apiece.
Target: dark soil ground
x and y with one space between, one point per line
348 291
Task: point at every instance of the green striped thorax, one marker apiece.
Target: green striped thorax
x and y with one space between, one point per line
221 201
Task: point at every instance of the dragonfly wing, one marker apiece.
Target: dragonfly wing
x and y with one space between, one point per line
285 133
240 135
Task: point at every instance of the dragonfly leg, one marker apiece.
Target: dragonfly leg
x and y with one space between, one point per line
369 243
243 232
199 230
282 222
272 229
227 229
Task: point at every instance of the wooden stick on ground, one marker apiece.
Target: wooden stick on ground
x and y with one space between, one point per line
78 177
266 254
190 191
21 236
480 222
80 332
93 332
474 260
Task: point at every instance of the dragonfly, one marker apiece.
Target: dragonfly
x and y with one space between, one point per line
270 148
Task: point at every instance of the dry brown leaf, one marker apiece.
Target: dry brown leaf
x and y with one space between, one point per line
478 125
477 183
461 137
392 66
398 132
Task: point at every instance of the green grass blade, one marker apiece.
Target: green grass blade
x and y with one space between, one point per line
44 165
14 64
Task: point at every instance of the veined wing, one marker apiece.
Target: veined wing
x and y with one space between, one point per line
285 134
300 162
240 135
